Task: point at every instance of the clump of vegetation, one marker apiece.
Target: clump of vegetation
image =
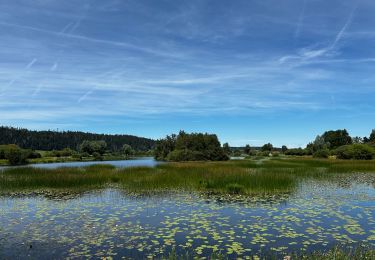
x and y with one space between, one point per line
355 151
267 147
127 150
190 147
296 152
337 138
323 153
92 147
66 152
15 155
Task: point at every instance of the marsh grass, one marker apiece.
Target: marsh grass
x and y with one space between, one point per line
235 177
336 253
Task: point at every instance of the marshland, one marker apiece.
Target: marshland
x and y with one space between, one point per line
260 207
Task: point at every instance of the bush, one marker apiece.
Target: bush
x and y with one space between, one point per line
77 156
97 156
185 155
84 154
127 150
323 153
16 156
4 148
296 151
33 155
66 152
264 153
91 147
355 151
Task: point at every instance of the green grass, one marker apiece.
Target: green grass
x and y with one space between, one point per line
234 177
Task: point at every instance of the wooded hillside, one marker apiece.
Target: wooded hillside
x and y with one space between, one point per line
54 140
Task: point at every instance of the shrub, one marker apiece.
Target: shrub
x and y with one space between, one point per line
33 155
296 151
66 152
97 156
16 156
323 153
264 153
127 150
77 156
84 154
185 155
91 147
355 151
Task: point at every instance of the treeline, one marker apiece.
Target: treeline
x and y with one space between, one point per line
55 140
336 143
191 147
340 144
88 150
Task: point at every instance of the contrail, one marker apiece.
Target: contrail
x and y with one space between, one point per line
54 66
29 66
66 28
300 20
94 40
82 98
343 29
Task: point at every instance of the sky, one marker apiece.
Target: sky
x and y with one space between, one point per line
250 71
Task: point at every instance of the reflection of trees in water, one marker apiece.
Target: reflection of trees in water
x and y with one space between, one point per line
120 194
52 194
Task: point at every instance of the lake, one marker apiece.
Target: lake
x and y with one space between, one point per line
113 223
141 161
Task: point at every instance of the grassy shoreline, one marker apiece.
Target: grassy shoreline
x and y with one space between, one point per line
231 177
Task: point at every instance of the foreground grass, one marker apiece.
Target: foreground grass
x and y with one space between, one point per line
235 177
336 253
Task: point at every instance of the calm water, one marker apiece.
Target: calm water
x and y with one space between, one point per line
319 215
143 161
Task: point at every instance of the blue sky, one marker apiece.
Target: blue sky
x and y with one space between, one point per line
250 71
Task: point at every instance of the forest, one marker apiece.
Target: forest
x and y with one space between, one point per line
56 140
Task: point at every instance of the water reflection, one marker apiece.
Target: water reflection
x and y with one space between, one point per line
142 161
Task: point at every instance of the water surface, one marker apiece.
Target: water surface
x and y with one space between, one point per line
319 215
142 161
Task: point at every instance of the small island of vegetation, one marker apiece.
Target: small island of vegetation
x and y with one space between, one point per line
190 147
